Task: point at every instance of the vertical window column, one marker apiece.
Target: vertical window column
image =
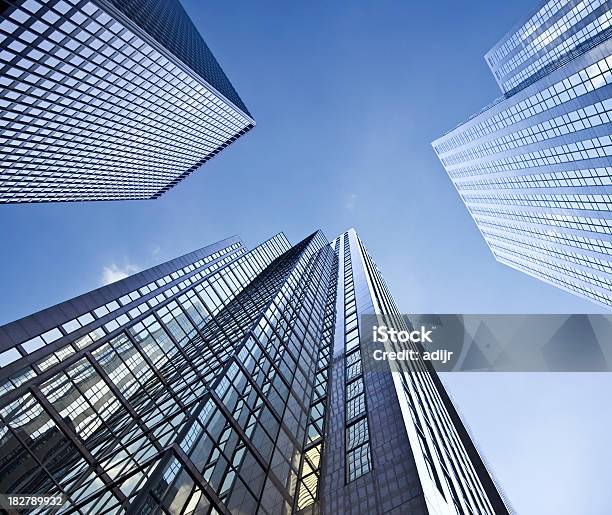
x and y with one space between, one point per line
357 437
310 469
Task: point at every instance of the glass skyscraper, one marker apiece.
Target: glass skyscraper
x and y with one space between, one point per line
534 168
107 100
231 381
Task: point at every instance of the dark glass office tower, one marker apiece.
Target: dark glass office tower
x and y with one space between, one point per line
394 442
535 168
231 381
107 100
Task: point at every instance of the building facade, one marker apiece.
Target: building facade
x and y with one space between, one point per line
535 168
231 381
107 100
553 35
394 442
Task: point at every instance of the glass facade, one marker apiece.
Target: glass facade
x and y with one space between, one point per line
558 31
395 442
230 381
535 168
104 100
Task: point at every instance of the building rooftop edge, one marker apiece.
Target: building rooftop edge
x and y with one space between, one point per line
105 4
113 290
515 28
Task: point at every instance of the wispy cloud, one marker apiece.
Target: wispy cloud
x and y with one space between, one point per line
113 272
351 201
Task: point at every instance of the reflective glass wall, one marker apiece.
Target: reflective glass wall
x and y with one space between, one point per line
230 381
101 104
395 443
535 169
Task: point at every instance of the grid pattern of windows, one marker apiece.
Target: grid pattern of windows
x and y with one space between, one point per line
580 202
591 148
517 38
220 396
310 470
554 260
588 177
168 23
492 224
595 74
447 467
190 274
95 109
212 400
587 37
135 303
548 274
358 454
596 263
109 414
586 117
534 169
566 31
551 32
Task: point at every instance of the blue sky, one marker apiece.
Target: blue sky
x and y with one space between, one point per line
347 97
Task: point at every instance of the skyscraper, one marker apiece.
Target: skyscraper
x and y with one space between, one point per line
107 100
534 168
231 381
